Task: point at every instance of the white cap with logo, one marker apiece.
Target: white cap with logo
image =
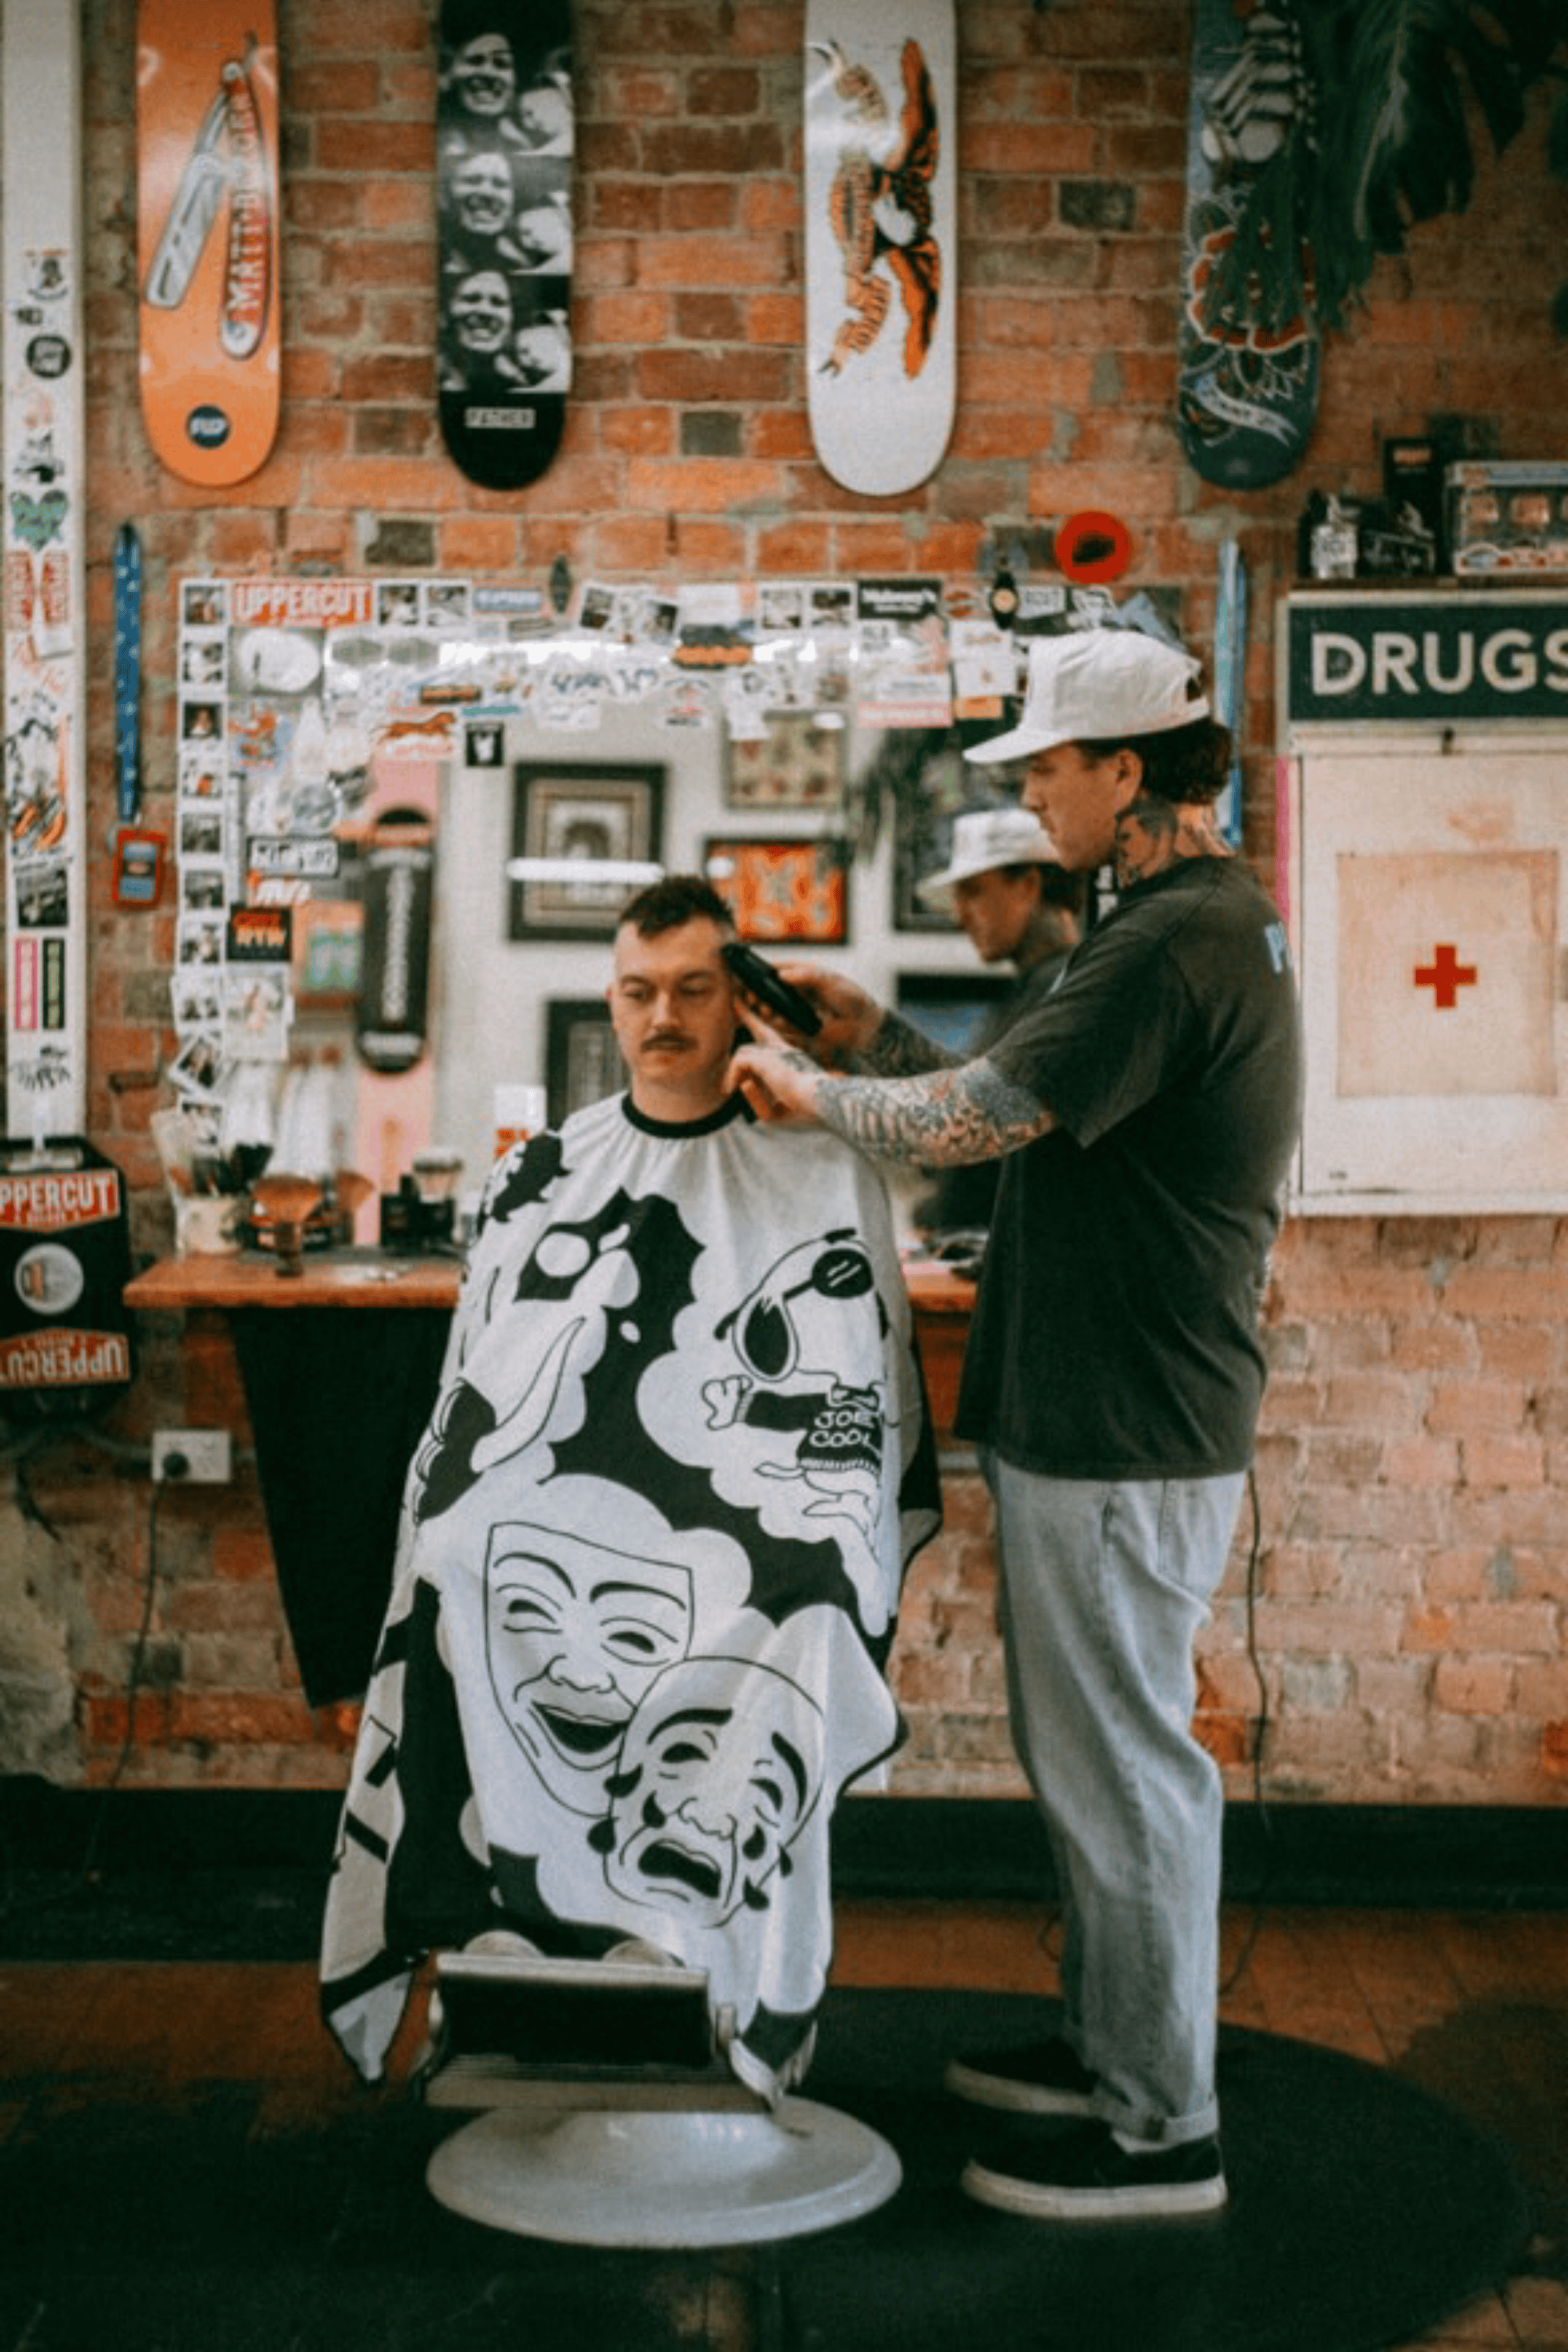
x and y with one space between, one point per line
984 838
1097 683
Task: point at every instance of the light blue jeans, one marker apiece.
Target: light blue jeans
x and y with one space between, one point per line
1103 1587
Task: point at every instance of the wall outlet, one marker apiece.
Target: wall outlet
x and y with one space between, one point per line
193 1457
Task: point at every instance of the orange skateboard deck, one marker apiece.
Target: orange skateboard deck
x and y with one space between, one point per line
207 234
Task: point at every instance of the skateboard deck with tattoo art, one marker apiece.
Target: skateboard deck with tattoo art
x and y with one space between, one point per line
1247 386
504 140
207 234
881 246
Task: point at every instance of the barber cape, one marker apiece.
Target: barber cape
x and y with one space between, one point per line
648 1565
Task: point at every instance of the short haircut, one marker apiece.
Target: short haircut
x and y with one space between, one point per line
673 899
1185 763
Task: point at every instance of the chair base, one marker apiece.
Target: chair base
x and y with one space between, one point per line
662 2179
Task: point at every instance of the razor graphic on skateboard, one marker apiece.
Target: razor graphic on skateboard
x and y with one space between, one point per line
207 234
1247 385
881 246
504 139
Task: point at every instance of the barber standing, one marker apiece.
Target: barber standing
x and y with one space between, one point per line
1147 1112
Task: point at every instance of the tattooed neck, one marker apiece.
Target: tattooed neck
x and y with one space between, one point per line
1152 835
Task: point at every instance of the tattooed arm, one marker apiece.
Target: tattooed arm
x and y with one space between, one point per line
945 1119
899 1050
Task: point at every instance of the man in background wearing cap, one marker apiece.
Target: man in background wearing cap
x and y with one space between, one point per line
1003 886
1147 1112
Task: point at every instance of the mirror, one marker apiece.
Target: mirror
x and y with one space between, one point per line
516 1004
362 963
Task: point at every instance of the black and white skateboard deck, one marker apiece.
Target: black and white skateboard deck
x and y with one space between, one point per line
504 142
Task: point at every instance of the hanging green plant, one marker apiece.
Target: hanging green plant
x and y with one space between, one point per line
1381 141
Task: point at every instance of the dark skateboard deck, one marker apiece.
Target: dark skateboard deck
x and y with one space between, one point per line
1248 390
207 234
504 139
399 866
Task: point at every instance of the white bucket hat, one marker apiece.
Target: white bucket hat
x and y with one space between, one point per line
1098 683
985 838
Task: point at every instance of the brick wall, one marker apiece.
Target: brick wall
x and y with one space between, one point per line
1410 1582
1407 1601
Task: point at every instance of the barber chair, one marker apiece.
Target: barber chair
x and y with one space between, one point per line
610 2115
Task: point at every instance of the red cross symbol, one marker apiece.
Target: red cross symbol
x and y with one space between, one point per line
1445 976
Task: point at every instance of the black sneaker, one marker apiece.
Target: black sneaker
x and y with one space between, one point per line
1088 2176
1038 2078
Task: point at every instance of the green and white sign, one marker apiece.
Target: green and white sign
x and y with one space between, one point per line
1372 659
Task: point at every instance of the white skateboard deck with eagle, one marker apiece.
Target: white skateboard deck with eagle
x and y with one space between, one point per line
881 238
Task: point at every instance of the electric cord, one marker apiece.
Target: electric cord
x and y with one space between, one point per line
18 1447
132 1683
1265 1821
12 1905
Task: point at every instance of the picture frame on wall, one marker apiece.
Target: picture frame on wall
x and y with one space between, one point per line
937 786
793 891
582 1063
796 763
597 815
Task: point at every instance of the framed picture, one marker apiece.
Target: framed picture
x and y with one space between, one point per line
937 784
582 1060
798 763
951 1008
778 890
570 814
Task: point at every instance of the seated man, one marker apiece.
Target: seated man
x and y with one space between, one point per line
651 1547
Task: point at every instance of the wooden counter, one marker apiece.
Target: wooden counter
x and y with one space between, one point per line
345 1278
338 1400
372 1277
942 1302
941 1299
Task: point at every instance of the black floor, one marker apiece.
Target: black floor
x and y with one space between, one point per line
162 2218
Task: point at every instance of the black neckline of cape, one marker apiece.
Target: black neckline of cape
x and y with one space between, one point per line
733 1107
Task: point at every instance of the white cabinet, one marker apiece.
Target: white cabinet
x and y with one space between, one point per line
1423 840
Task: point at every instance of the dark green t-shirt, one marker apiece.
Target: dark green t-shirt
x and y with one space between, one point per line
962 1198
1115 1335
